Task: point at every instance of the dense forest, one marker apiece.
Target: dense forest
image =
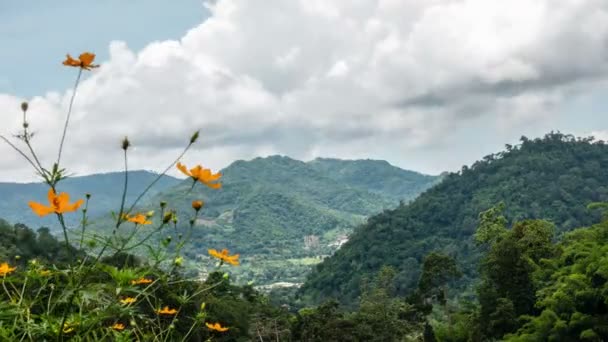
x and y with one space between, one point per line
531 288
552 178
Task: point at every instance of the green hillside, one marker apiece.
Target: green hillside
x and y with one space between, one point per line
553 178
283 215
106 190
376 176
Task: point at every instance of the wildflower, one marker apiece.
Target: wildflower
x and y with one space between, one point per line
138 218
197 205
58 204
166 311
118 326
205 176
128 300
84 61
141 281
216 327
6 269
223 255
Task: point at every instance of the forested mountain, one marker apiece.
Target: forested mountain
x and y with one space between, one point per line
376 176
106 190
552 178
282 215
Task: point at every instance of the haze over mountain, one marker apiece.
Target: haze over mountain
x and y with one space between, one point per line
106 190
552 178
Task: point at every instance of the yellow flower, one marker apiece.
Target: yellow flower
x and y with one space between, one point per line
166 311
141 281
216 327
58 204
69 327
5 269
128 300
205 176
223 255
45 273
138 218
84 61
118 326
197 205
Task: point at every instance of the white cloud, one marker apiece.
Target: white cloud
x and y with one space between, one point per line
304 77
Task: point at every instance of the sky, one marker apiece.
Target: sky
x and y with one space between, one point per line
426 85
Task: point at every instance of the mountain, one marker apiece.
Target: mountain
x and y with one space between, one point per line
106 190
377 176
552 178
283 215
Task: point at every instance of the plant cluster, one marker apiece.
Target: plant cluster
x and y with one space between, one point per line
100 291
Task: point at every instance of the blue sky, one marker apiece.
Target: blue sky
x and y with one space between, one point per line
32 31
428 86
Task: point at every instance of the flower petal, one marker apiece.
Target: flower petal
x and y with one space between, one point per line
87 58
40 209
183 169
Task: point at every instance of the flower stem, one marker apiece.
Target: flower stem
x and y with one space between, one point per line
67 119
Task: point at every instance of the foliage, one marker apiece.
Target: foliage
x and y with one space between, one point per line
552 178
381 316
573 301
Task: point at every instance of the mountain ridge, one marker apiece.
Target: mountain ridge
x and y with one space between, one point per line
553 177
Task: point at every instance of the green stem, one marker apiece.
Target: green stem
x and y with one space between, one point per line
67 119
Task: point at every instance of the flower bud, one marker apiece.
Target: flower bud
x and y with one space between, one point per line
163 204
125 143
197 205
167 217
194 137
179 261
24 106
87 195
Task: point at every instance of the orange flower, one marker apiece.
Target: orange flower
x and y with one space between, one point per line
138 218
84 61
223 255
205 176
118 326
5 269
128 300
166 311
141 281
58 204
197 205
216 327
